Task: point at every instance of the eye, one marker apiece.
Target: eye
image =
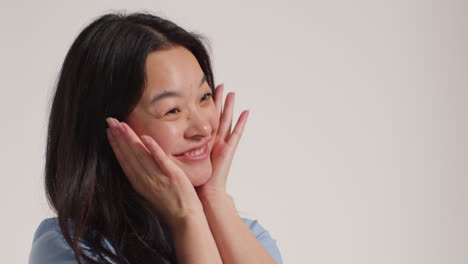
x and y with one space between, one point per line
205 96
173 111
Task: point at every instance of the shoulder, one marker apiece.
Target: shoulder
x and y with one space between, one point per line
49 245
264 237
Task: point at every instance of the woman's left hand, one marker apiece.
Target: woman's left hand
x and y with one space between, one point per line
225 144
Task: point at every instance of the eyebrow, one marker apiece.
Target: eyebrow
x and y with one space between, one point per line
168 93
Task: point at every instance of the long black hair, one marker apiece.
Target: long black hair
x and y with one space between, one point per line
104 75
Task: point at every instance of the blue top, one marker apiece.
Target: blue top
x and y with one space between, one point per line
50 247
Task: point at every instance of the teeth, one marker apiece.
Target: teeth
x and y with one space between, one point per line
195 152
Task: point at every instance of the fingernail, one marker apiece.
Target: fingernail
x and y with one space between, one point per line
146 139
113 123
109 121
116 122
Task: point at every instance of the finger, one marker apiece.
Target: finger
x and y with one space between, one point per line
142 154
159 155
219 98
229 130
127 169
128 157
234 138
226 118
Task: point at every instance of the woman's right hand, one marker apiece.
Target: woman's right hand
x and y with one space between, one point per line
153 174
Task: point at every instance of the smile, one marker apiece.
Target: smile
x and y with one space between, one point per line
197 154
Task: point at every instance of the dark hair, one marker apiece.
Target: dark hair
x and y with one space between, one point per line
104 75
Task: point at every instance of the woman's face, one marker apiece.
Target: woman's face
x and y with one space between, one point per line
178 111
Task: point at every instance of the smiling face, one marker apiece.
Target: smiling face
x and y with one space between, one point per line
178 111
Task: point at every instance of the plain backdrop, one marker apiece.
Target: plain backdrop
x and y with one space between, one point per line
356 147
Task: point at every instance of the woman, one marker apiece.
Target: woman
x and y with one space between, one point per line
138 152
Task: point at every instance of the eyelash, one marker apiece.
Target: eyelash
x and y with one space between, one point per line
207 94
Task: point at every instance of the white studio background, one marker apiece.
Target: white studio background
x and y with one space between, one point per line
356 148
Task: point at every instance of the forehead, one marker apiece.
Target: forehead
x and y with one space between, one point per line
174 69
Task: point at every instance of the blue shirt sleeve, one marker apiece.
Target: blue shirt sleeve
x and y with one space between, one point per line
49 246
263 236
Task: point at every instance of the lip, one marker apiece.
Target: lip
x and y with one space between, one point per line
202 155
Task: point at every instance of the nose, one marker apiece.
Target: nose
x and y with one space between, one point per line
198 125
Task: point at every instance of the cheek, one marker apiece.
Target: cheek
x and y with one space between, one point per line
166 136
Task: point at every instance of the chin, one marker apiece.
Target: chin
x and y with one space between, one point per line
199 175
